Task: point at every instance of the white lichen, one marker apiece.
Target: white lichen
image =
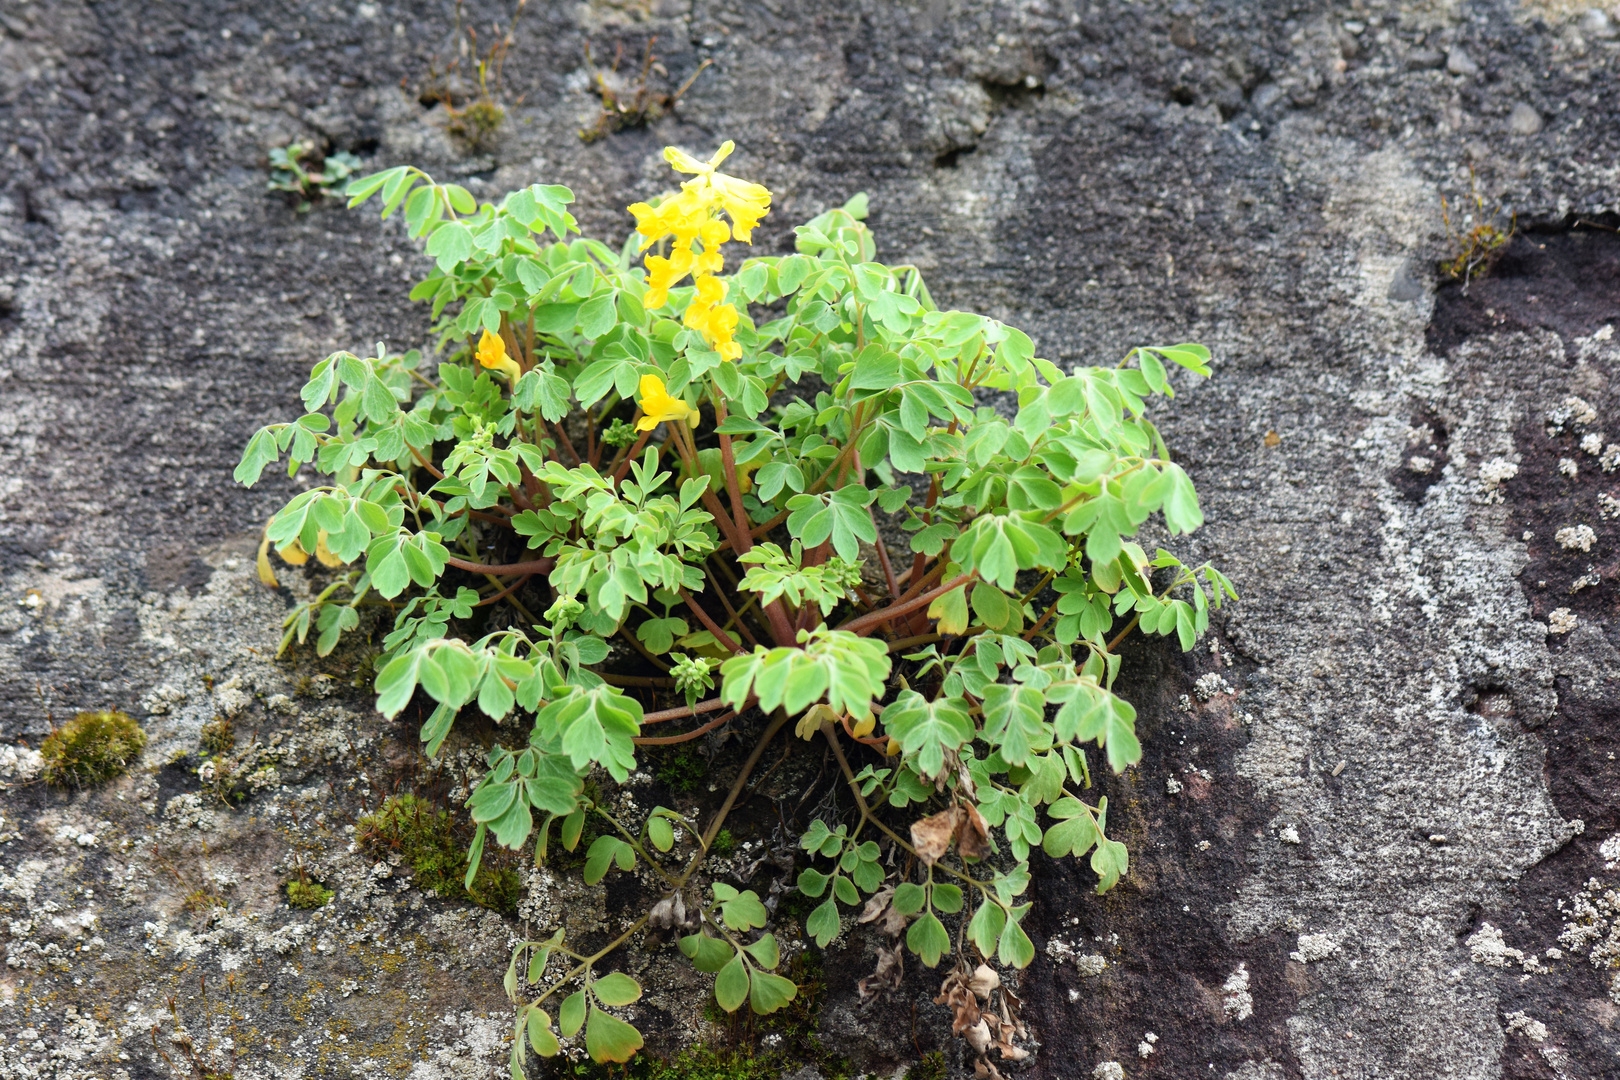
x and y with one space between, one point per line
1568 466
1561 621
1108 1070
1608 506
1593 443
1314 947
1572 537
1144 1048
1172 786
1288 834
1236 1001
1534 1030
1210 684
1486 946
1492 475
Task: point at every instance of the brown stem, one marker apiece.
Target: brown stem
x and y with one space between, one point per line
508 591
742 777
731 612
709 624
621 461
888 570
894 611
424 462
687 736
685 710
657 681
532 566
562 438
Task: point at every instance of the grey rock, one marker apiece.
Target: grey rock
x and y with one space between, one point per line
158 306
809 1072
1407 284
1524 120
1599 24
1458 62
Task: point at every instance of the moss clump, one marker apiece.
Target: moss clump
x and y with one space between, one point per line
426 838
724 844
219 737
682 770
91 748
307 894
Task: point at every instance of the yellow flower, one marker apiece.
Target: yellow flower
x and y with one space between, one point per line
693 217
657 406
492 354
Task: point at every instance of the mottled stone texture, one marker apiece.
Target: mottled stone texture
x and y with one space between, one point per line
1386 856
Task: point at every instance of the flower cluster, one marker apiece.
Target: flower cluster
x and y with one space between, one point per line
692 220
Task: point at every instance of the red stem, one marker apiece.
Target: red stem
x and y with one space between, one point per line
894 611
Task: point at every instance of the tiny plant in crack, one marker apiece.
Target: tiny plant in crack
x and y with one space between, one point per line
620 506
1476 240
307 175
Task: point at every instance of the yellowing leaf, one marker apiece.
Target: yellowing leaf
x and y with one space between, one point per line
266 575
951 610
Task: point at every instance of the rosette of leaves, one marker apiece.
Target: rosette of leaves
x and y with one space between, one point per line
714 516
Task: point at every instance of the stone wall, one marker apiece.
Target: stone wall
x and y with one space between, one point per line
1372 833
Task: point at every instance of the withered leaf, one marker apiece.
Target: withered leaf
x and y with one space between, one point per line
972 836
876 904
890 970
931 836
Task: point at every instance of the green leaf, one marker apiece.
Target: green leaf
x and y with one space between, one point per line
604 852
928 938
985 928
1015 722
744 912
450 243
616 988
607 1038
812 882
540 1036
926 730
661 833
1015 948
768 992
571 1016
706 953
823 923
731 985
765 951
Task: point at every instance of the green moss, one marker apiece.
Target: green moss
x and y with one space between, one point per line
219 737
91 748
307 894
425 836
931 1067
682 769
724 844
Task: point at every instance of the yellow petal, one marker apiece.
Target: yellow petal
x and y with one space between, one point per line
491 350
323 554
267 575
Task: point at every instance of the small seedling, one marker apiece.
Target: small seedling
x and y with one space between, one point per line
626 105
477 116
91 748
1480 243
308 175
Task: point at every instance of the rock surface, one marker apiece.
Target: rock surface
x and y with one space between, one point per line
1390 851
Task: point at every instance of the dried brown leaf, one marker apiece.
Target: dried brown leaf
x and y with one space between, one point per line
983 981
876 904
972 837
890 970
931 836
